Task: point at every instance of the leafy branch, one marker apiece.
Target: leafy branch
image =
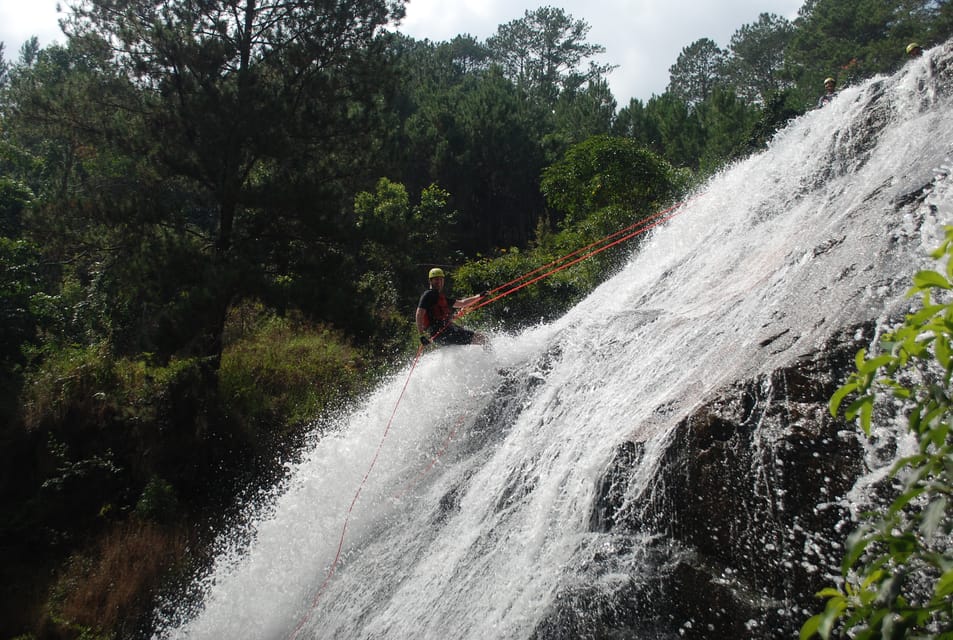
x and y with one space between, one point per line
898 565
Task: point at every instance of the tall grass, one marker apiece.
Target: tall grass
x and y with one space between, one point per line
285 370
101 590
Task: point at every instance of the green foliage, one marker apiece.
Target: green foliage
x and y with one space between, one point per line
476 137
542 53
14 197
700 68
405 232
856 39
158 501
69 470
680 135
726 121
541 301
282 373
601 186
579 115
68 376
701 135
94 385
195 154
756 58
4 66
168 161
898 565
779 109
634 121
20 282
607 171
397 238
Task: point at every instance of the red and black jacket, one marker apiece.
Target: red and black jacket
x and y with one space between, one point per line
439 310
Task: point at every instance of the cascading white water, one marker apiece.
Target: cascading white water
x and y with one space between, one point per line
810 236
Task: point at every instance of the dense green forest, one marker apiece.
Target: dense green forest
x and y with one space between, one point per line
216 219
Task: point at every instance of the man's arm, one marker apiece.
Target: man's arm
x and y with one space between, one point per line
421 319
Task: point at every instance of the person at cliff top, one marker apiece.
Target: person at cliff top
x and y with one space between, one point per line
914 50
829 85
435 315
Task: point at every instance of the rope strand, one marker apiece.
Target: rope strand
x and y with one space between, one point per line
638 223
508 288
347 518
640 227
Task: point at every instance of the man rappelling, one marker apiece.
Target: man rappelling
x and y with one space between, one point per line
435 315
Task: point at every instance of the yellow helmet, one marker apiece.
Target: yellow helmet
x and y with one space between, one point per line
911 47
829 81
436 273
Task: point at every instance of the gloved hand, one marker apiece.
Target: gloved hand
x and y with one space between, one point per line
424 340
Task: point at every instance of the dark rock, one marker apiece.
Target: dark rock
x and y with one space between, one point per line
749 501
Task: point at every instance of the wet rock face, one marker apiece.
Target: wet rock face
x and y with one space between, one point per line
747 512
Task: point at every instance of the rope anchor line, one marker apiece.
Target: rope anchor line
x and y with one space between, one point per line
559 264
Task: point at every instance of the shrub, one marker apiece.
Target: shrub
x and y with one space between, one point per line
898 566
540 301
71 377
285 370
158 501
606 171
93 383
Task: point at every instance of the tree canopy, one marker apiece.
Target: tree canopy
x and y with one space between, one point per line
699 69
543 51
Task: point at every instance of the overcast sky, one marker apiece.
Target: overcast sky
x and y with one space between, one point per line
642 37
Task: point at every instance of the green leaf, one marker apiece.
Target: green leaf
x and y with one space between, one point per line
839 396
942 349
835 609
924 279
872 365
854 407
866 413
944 586
906 536
859 358
933 516
857 542
863 407
874 577
810 628
939 434
919 317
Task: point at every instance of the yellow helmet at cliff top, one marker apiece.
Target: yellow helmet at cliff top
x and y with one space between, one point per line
828 80
436 273
911 47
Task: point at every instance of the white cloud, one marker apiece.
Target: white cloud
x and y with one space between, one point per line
642 37
22 19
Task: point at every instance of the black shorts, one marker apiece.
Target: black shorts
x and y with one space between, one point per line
453 334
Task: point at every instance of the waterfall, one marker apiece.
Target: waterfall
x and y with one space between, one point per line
476 518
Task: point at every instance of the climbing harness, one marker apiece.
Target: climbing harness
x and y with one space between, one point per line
498 293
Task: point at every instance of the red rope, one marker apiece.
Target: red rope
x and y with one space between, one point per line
337 557
508 288
638 223
640 227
